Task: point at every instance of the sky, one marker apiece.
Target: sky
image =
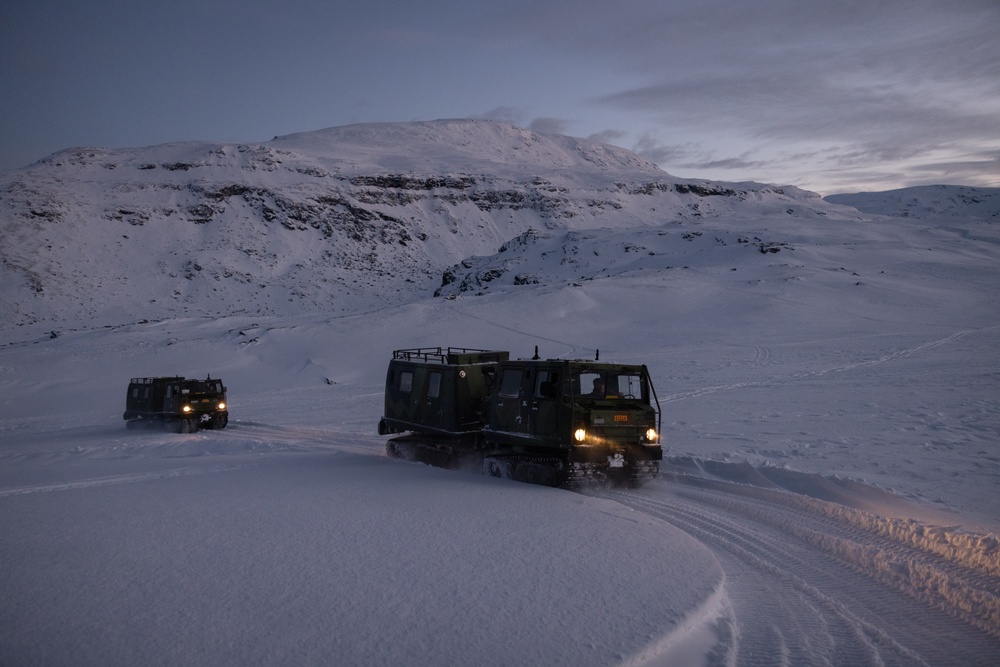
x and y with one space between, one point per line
833 96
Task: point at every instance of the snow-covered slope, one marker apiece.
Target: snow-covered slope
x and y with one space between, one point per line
827 376
928 201
323 221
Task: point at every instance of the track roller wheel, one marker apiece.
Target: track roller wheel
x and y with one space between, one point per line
498 468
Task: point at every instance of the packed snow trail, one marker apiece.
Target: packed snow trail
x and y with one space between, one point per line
813 583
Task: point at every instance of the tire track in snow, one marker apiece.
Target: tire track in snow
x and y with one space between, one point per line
809 585
242 439
761 355
306 439
779 617
116 479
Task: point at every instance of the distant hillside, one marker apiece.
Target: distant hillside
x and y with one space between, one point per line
926 202
340 219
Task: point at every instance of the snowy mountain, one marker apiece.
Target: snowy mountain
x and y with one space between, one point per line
928 201
826 372
324 221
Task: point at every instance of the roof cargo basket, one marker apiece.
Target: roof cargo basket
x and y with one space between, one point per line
451 355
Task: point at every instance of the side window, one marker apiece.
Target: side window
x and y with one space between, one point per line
547 384
510 383
434 384
406 381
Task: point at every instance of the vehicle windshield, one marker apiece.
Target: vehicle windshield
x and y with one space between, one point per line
202 387
606 384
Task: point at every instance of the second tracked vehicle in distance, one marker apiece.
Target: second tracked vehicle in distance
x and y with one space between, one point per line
558 422
178 404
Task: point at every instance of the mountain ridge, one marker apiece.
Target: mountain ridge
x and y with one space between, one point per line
926 201
334 220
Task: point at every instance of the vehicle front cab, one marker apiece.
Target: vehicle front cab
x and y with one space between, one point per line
203 401
613 413
591 411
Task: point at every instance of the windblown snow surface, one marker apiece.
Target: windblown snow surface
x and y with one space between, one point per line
827 372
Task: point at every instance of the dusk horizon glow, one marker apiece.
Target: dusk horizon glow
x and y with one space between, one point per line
838 97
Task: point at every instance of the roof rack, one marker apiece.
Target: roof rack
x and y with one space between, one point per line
450 355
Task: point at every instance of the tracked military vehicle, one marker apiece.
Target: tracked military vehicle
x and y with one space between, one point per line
176 404
558 422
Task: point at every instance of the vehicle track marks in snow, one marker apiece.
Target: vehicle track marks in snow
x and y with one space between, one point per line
305 439
116 479
762 355
811 582
218 451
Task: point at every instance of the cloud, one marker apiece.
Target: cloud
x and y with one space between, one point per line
507 114
519 117
693 156
775 90
972 171
545 125
607 136
654 150
788 87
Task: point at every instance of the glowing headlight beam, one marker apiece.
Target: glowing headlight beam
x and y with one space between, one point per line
580 435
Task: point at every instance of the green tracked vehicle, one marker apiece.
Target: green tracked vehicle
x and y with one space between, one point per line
176 404
549 421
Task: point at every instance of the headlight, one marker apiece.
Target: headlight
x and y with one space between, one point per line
651 435
222 406
186 408
580 435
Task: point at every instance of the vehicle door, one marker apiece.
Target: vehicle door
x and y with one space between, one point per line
172 398
510 408
543 413
432 412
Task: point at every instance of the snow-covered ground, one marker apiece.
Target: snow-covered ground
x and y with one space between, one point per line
829 386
